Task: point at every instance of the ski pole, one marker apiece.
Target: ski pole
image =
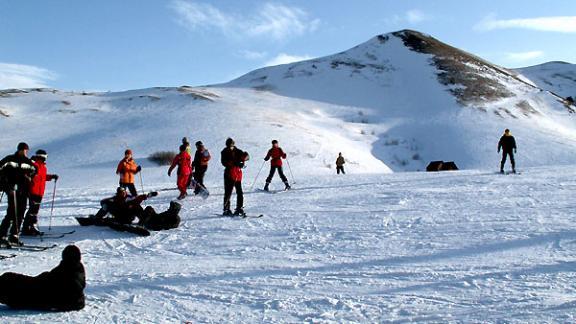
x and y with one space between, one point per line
1 196
16 224
142 185
257 175
52 208
289 168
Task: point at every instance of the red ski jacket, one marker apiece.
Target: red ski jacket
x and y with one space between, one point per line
277 155
183 161
38 184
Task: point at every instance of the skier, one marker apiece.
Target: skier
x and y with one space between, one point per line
163 221
276 154
507 143
182 160
127 168
200 165
123 208
61 289
16 172
233 160
340 164
37 187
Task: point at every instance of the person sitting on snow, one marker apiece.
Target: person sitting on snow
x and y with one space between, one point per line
123 208
61 289
163 221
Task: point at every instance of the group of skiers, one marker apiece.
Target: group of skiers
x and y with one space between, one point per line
23 181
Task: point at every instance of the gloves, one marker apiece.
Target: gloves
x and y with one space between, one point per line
152 194
169 173
55 177
138 169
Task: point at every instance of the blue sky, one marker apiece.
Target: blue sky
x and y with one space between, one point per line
129 44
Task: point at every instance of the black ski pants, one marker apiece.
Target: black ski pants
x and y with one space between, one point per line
280 172
199 173
505 154
130 187
33 209
229 186
17 200
339 169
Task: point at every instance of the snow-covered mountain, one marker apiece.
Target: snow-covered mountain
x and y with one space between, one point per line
393 103
558 77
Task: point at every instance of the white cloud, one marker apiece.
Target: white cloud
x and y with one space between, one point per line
524 56
284 58
24 76
270 20
566 24
252 55
413 17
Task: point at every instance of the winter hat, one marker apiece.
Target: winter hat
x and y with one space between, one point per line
42 154
199 143
183 147
185 140
128 151
23 146
71 254
120 189
274 142
229 142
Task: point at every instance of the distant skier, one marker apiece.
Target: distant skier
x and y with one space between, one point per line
508 145
340 164
188 146
200 165
61 289
37 188
127 168
182 160
233 160
16 172
276 154
123 208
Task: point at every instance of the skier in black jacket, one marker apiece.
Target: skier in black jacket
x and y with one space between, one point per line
508 145
16 172
233 159
61 289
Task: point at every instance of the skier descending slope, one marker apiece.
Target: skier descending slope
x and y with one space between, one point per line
508 144
200 165
16 172
233 159
37 188
182 160
276 154
127 168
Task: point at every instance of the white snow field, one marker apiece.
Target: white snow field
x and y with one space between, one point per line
466 246
370 246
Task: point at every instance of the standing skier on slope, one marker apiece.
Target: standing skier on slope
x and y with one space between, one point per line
200 165
340 164
507 143
127 168
182 160
233 160
16 172
37 188
276 154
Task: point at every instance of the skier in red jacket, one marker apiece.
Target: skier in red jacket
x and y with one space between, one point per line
184 163
233 160
37 188
276 154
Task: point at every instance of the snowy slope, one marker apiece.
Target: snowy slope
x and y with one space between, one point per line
469 246
558 77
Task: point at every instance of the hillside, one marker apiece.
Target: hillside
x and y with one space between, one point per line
558 77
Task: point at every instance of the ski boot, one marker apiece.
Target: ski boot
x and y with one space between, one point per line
32 230
227 212
266 186
287 186
4 242
182 196
239 212
14 240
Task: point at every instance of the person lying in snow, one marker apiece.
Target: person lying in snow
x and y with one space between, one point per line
61 289
123 208
163 221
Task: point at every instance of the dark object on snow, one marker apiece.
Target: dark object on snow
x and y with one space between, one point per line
110 222
233 160
61 289
570 100
163 221
435 166
508 145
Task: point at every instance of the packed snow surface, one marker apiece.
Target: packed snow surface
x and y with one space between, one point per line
466 246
